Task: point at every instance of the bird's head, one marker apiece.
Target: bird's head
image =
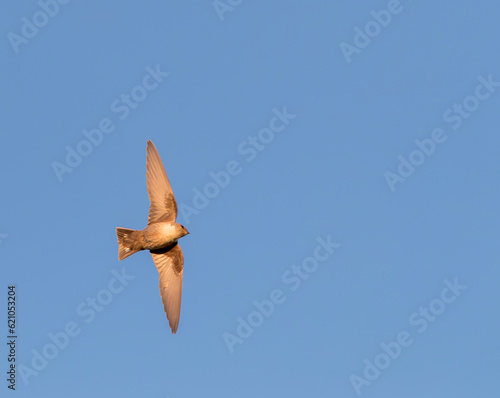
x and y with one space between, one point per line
182 230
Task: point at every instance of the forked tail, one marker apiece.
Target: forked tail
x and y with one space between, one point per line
127 245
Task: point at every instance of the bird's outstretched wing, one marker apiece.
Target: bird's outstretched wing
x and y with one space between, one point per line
163 205
169 262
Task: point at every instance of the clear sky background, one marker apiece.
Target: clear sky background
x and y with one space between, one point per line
358 112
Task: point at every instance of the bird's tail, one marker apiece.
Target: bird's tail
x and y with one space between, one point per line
126 242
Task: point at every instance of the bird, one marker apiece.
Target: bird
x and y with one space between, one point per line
159 237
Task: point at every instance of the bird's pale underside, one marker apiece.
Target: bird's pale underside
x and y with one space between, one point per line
159 237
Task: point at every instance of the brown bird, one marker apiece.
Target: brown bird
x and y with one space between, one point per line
159 237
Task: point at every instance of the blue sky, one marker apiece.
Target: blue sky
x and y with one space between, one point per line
355 220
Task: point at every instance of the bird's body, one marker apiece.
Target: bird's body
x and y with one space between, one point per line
155 236
159 237
162 234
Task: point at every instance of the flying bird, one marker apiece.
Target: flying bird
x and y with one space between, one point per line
159 237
